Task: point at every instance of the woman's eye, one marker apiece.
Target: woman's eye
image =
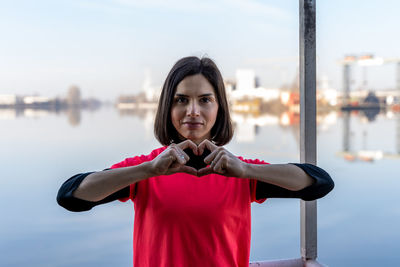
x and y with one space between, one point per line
180 100
205 100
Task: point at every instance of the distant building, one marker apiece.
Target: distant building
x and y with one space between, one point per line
152 93
245 79
248 86
36 100
8 100
325 93
265 94
74 96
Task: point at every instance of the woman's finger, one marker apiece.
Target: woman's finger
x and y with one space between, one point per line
220 166
188 144
206 144
204 171
182 153
179 157
189 170
176 167
216 159
213 155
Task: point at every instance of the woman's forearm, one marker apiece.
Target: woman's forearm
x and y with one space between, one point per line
288 176
99 185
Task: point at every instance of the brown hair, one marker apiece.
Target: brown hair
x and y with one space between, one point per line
165 132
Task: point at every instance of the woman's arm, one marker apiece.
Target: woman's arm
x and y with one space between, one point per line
322 185
98 185
66 199
287 176
304 181
83 191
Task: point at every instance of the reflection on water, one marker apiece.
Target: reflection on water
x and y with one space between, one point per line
247 126
73 114
353 132
358 220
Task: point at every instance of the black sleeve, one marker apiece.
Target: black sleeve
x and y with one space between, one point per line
322 185
71 203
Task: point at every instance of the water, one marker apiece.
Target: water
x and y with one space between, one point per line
357 222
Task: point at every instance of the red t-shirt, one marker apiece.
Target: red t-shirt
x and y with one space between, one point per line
183 220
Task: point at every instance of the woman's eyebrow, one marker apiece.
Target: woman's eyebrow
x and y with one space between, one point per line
209 94
203 95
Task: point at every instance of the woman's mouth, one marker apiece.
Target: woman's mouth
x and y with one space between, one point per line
193 125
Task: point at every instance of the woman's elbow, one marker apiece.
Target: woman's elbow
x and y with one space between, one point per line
320 190
67 201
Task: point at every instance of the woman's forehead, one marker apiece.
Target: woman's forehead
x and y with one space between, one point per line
194 84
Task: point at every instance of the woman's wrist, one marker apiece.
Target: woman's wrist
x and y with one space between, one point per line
248 170
146 170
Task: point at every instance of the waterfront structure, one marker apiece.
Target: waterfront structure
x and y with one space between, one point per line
245 79
8 100
151 92
73 100
326 94
74 97
36 100
350 61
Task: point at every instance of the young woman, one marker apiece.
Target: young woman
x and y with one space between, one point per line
185 214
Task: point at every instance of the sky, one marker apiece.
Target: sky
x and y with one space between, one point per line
106 47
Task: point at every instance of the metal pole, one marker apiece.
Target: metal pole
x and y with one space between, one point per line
398 77
398 115
346 131
308 217
346 84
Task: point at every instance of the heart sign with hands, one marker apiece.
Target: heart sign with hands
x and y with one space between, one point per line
173 159
221 161
196 161
206 158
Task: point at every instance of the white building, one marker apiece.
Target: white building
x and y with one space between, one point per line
326 92
36 99
245 79
266 94
246 87
152 93
8 100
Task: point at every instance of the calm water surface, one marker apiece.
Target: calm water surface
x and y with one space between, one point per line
358 222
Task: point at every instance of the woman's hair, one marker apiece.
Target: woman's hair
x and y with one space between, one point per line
165 132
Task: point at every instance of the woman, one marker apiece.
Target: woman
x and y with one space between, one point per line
190 215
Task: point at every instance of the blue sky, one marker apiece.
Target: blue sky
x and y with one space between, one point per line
106 46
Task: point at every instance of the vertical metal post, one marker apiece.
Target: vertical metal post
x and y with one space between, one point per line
398 115
398 77
308 217
346 131
346 84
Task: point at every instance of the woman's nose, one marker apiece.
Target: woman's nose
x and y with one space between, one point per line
193 109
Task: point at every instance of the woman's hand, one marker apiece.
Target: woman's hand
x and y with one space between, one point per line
173 159
221 161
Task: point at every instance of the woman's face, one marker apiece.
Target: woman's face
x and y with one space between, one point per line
194 108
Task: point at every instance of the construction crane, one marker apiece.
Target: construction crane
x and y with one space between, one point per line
364 61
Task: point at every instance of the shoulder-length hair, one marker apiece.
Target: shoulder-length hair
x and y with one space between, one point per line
165 132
